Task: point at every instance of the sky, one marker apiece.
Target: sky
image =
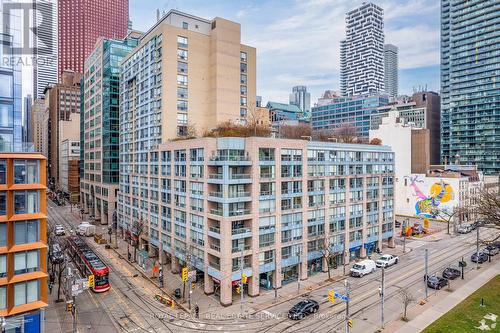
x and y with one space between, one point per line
297 41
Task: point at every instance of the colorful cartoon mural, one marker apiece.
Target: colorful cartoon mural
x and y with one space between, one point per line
427 205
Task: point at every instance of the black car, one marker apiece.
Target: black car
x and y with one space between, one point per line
491 250
302 309
451 273
497 244
56 254
436 282
479 257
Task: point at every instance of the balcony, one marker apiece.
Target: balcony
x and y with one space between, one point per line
216 211
241 194
239 212
214 232
216 194
215 247
238 249
267 175
215 176
238 176
241 233
229 160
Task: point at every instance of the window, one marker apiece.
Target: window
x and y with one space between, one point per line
243 79
3 234
185 25
243 56
26 262
182 119
182 54
243 67
26 232
182 41
26 202
182 80
182 92
25 171
3 265
243 101
243 112
182 105
2 172
6 115
3 203
243 90
3 297
182 67
6 85
26 292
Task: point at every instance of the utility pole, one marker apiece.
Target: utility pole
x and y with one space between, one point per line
382 294
344 253
426 271
477 246
241 278
298 272
404 235
275 278
346 283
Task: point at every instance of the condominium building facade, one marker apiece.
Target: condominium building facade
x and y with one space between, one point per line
354 110
23 241
391 70
37 123
190 74
100 126
469 83
362 52
82 23
204 203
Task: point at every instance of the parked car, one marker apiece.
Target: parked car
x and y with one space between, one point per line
59 230
476 224
177 293
491 250
302 309
387 260
363 267
497 244
56 254
436 282
451 273
479 257
464 229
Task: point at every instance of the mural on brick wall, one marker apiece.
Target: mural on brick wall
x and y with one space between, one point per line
430 195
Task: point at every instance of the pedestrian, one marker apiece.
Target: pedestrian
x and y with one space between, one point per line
197 311
51 285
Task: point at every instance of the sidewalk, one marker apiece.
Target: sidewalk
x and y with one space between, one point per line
421 317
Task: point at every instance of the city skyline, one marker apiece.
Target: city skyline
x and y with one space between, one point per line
277 54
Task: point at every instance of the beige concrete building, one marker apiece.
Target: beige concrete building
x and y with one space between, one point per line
63 103
194 74
37 123
69 168
203 203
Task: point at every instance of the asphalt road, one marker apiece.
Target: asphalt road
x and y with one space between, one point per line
130 308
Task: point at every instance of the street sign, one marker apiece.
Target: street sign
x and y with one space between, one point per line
331 296
462 264
191 274
76 289
342 297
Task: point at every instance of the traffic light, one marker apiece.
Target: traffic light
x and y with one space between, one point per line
91 281
184 274
244 278
69 307
349 322
237 290
193 285
331 296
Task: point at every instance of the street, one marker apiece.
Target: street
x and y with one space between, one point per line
129 305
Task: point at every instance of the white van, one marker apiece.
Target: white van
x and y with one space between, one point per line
86 229
363 267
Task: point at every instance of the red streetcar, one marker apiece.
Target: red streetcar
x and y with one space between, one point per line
89 263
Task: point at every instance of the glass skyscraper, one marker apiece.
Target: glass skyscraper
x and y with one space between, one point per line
470 72
10 82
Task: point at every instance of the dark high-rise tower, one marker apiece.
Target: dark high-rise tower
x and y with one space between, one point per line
82 22
470 93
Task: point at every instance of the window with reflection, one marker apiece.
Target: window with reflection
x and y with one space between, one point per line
26 171
26 202
26 262
26 232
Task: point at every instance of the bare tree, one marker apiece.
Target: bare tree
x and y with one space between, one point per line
328 253
137 230
407 298
447 215
486 206
347 133
376 141
295 131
